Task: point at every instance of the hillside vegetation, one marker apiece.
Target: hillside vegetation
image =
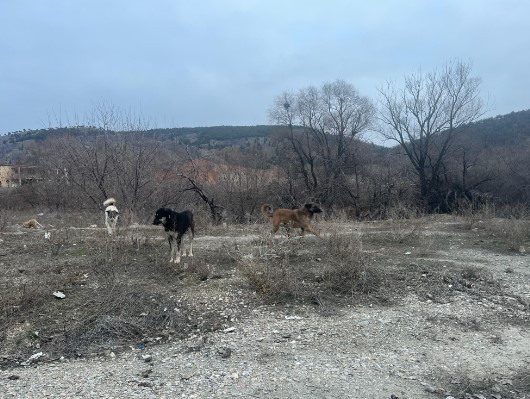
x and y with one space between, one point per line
488 163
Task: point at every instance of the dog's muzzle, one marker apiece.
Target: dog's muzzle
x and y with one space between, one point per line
158 221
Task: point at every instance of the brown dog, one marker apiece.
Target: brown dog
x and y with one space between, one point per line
31 224
297 218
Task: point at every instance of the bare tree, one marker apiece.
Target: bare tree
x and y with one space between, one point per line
322 124
112 157
194 184
426 114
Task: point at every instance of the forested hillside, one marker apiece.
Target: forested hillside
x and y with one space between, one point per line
243 166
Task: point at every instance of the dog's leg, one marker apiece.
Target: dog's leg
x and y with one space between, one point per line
114 223
107 223
313 231
275 226
190 254
170 239
183 248
179 248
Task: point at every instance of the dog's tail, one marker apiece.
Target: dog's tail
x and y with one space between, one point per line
110 201
266 209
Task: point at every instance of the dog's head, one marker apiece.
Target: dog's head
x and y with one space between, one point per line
312 208
162 216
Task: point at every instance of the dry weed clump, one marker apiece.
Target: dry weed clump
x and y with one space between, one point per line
510 223
345 269
515 232
308 268
268 270
474 214
404 226
405 231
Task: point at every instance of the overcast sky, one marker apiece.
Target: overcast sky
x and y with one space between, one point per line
220 62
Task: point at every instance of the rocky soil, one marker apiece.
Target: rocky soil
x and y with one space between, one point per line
471 342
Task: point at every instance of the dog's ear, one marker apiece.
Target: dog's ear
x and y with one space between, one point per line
308 206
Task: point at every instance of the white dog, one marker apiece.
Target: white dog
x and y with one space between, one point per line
111 215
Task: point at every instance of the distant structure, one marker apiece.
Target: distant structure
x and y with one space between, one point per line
17 175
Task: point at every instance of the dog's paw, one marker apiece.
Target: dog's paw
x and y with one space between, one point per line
190 255
183 254
177 260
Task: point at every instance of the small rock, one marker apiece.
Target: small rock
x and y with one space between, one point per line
59 295
187 376
430 388
147 358
224 352
522 249
146 384
496 389
229 329
145 373
13 377
496 396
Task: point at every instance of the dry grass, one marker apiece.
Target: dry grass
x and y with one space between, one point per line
307 268
510 224
120 291
117 294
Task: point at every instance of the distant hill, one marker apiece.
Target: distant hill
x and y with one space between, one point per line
500 131
195 135
12 145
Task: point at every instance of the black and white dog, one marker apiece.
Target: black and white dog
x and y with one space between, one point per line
176 224
111 215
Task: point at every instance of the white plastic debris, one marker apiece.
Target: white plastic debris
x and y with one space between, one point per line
293 318
35 356
408 253
59 295
229 329
47 235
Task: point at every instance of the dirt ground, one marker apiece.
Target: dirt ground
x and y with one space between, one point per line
436 307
